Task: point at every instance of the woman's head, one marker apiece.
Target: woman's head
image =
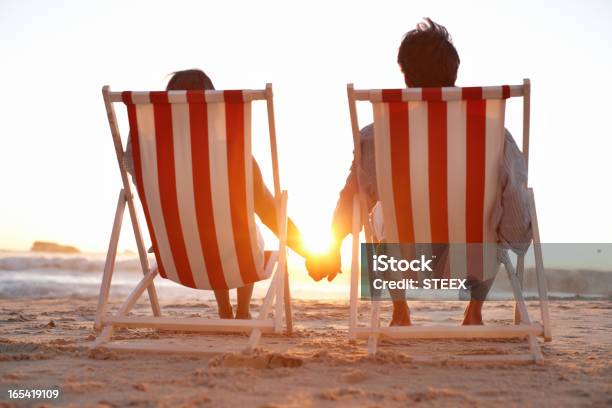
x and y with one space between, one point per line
189 80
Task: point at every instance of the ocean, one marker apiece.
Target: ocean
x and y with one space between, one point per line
38 275
26 274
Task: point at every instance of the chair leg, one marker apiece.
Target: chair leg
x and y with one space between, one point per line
354 290
263 311
109 265
541 278
103 337
372 345
278 303
520 267
534 346
142 254
127 305
374 324
282 261
287 300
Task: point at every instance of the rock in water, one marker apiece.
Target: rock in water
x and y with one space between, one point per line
42 246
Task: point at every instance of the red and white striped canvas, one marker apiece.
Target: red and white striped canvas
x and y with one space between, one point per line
438 156
193 167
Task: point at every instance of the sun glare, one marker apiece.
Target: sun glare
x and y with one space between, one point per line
317 242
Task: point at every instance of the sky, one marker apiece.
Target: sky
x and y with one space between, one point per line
58 171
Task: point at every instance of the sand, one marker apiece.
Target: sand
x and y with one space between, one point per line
44 343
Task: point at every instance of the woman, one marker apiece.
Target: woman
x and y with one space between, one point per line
195 79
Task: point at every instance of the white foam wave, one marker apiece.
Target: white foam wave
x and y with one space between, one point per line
64 263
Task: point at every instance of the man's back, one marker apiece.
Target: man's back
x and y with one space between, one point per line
511 213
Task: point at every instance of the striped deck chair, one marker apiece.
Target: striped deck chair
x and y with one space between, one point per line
438 152
193 171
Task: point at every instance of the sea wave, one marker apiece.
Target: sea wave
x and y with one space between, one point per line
65 263
52 275
578 282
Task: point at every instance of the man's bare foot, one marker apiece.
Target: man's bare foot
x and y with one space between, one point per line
473 314
400 321
401 315
472 320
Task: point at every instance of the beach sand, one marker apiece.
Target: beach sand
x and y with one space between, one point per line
44 343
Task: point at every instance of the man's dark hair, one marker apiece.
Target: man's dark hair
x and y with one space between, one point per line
189 79
428 57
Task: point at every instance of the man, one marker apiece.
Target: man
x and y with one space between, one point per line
428 58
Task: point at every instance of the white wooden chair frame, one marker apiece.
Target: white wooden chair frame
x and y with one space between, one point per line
523 327
278 290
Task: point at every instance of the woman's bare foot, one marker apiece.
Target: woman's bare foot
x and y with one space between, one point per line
401 314
246 315
224 313
224 305
244 302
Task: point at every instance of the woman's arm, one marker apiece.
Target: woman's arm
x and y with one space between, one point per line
265 208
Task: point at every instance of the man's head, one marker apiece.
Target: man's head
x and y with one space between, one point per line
428 57
189 80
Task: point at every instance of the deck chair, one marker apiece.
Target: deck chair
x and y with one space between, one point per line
193 171
437 152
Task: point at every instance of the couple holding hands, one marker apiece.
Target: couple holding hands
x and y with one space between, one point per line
427 58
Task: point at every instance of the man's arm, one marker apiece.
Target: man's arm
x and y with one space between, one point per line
343 214
329 264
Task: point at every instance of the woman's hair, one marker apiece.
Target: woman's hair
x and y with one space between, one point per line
189 80
428 57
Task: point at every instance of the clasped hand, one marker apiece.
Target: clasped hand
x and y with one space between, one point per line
323 265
